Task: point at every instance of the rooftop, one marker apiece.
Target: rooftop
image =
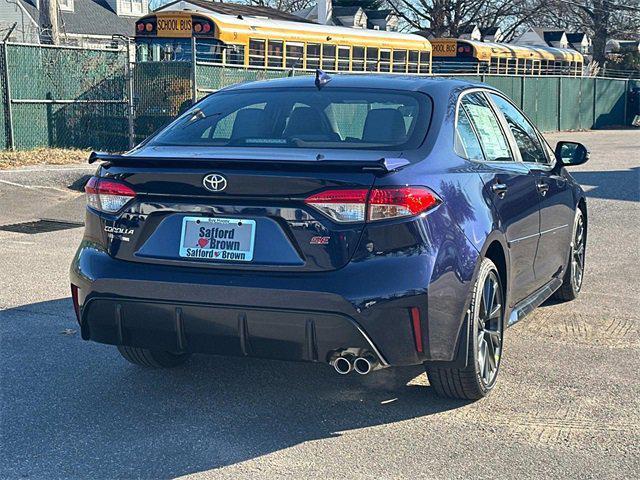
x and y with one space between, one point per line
244 10
377 81
89 17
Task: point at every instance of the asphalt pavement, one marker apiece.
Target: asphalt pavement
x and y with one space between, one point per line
567 404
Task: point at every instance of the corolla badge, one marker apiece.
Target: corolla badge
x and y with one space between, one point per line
214 182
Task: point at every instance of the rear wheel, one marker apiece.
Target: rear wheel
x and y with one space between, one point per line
486 314
152 358
572 281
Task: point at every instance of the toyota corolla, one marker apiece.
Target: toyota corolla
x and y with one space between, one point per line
364 222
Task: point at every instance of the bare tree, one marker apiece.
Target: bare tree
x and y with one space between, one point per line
282 5
601 19
451 17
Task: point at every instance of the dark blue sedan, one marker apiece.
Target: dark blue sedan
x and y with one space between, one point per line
360 221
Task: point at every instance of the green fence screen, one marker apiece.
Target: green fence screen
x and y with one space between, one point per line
67 97
70 97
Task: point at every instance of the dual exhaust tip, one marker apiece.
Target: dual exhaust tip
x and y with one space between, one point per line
345 363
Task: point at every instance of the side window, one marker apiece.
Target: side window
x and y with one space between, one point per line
328 57
275 53
343 58
235 55
372 59
313 55
425 60
413 61
400 61
385 60
295 52
525 134
256 52
494 143
358 59
467 143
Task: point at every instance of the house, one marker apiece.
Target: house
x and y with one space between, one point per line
84 23
579 41
235 9
492 34
382 20
542 37
325 13
471 32
353 17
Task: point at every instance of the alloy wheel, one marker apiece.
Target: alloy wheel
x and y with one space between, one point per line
489 329
577 257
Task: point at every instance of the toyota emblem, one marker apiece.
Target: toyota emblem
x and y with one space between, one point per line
214 182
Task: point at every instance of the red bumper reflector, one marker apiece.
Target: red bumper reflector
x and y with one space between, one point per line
417 328
76 301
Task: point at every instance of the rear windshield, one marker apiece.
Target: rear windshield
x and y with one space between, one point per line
304 118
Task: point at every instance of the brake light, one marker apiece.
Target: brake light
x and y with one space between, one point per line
358 205
107 195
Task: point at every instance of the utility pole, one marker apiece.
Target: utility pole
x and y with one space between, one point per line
49 20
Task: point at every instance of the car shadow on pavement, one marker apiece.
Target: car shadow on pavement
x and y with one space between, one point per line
611 184
76 409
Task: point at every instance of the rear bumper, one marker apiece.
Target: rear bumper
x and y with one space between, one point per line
288 316
224 330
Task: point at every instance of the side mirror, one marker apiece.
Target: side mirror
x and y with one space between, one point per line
571 153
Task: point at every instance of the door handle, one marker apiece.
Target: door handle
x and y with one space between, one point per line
499 189
543 187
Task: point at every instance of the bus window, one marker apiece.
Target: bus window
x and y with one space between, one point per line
544 67
328 57
425 62
275 53
385 60
343 58
235 55
357 64
495 64
295 52
372 59
400 61
313 56
256 53
413 61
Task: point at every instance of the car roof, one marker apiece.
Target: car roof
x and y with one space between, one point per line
432 85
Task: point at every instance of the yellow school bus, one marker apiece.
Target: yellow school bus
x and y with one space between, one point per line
472 56
254 42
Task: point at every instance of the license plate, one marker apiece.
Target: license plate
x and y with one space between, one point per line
173 26
447 48
217 239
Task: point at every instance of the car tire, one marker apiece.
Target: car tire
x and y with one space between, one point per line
478 378
152 358
574 274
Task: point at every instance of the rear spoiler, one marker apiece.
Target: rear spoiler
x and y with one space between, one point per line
383 165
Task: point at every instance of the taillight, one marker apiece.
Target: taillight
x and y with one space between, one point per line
107 195
358 205
400 202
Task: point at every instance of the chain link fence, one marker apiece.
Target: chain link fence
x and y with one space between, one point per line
100 99
65 97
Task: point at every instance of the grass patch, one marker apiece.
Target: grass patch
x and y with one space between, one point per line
42 156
